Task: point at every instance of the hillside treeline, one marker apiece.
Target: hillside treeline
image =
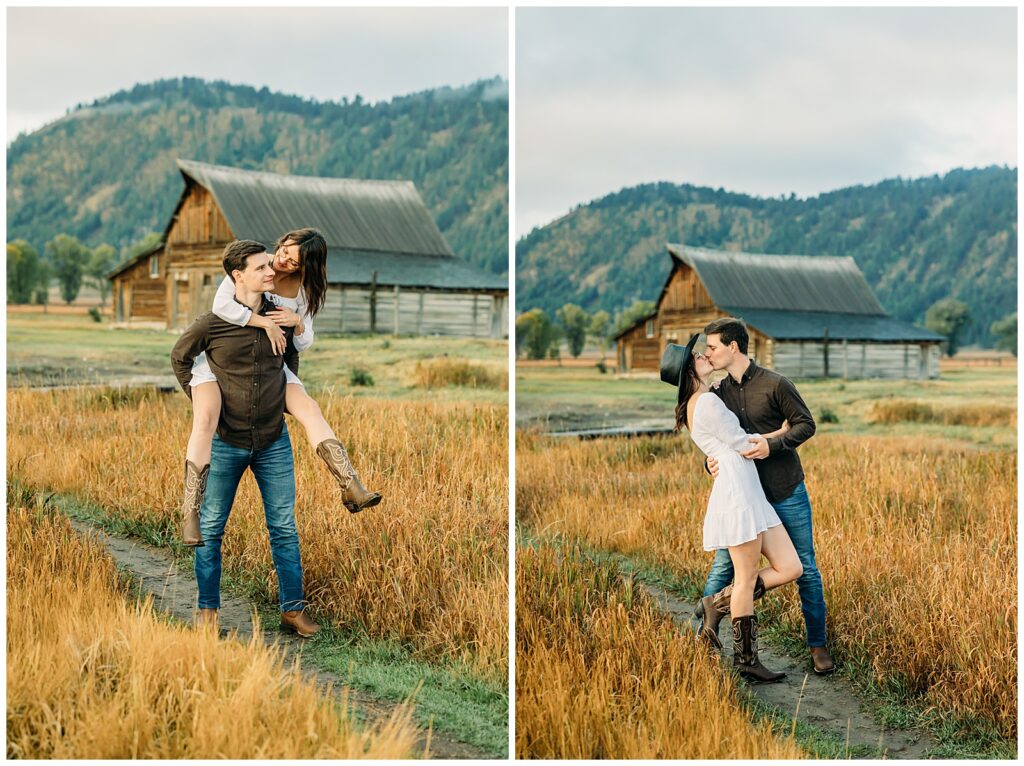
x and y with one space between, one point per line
106 173
917 241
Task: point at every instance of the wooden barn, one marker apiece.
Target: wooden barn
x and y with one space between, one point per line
808 316
389 268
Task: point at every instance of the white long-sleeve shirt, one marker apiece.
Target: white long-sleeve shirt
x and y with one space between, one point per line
227 308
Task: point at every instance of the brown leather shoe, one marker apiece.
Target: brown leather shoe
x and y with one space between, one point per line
822 660
354 496
300 623
195 490
207 618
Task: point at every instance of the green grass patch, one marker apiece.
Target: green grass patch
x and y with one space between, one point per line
71 349
974 405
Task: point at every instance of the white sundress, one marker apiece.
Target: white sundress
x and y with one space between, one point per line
737 511
230 310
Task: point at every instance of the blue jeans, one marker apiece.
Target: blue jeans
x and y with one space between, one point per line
274 470
795 514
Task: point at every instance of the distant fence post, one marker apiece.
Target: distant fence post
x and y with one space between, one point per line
397 298
373 302
826 351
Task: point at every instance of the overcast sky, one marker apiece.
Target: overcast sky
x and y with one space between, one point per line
57 58
759 100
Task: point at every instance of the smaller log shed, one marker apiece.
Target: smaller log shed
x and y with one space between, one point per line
389 268
808 316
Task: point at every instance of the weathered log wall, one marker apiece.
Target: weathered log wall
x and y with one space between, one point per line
405 311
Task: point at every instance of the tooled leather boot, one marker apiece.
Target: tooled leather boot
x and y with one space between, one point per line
744 651
195 490
354 496
299 622
711 609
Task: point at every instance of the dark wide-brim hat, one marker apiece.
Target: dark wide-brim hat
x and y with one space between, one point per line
674 364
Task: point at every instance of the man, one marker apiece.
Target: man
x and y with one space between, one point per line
762 400
251 433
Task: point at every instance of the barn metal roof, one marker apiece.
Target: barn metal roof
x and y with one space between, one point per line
357 267
382 216
785 282
811 325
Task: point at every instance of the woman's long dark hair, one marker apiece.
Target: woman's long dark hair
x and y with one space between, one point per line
313 266
689 385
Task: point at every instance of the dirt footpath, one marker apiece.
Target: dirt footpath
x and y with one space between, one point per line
174 592
828 703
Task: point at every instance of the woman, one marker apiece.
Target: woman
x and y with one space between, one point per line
300 262
738 517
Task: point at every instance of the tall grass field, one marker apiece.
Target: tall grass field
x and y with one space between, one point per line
600 673
91 673
428 567
915 539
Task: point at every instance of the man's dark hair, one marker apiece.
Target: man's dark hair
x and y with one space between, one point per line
238 252
729 329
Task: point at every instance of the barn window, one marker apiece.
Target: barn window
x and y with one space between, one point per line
154 265
650 328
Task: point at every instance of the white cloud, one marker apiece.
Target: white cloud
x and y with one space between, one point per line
758 100
58 57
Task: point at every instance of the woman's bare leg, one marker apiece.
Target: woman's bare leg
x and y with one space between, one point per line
304 408
745 559
205 414
784 564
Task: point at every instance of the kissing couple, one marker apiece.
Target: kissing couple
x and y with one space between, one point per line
749 427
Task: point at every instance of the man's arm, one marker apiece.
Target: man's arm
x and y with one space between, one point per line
191 343
801 422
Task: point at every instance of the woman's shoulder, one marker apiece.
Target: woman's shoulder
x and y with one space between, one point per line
706 396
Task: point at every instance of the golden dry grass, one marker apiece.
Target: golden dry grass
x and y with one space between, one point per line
916 543
427 566
91 674
913 411
441 373
601 674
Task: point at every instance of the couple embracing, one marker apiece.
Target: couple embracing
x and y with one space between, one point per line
749 427
239 366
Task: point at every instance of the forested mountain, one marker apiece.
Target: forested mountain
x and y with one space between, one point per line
105 172
915 240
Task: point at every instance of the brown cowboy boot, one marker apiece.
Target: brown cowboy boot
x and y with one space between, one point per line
711 609
744 651
354 495
195 490
300 623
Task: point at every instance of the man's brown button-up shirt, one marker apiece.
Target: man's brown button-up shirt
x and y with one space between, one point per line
762 400
249 373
